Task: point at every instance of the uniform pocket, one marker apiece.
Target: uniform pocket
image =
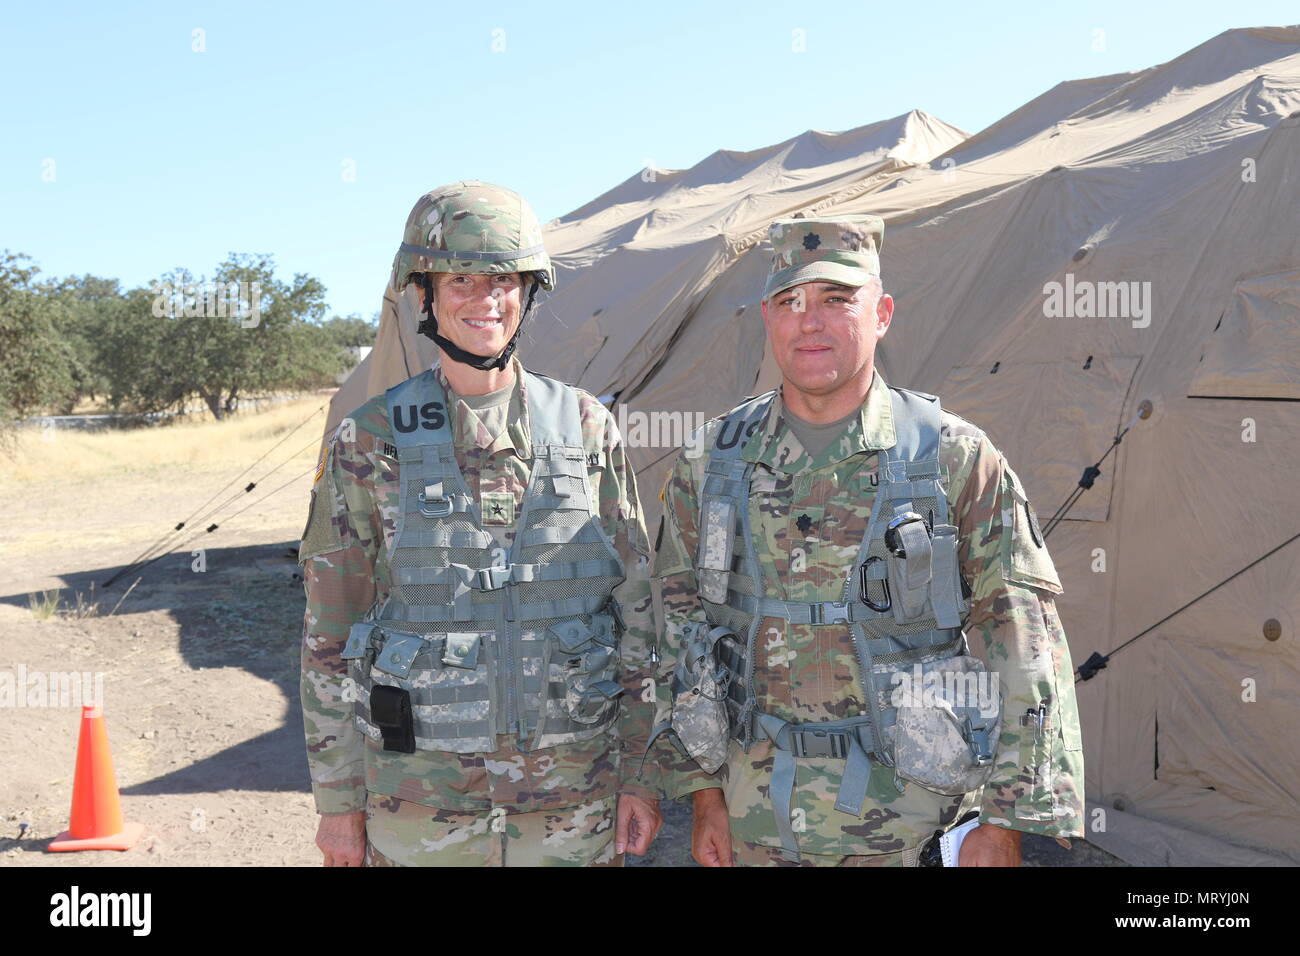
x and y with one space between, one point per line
1036 802
946 730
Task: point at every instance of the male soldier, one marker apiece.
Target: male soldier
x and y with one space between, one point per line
477 581
820 562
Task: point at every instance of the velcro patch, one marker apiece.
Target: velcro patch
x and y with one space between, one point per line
498 508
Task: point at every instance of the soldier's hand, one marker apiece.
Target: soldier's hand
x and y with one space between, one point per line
638 823
342 838
711 829
988 845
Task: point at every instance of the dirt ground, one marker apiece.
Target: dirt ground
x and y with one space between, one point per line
199 666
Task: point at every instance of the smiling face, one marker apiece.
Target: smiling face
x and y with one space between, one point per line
823 335
479 313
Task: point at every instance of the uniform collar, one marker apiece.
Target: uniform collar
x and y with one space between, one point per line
776 446
468 429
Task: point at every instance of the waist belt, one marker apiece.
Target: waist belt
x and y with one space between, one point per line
837 740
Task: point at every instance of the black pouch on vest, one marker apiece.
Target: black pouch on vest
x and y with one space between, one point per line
390 711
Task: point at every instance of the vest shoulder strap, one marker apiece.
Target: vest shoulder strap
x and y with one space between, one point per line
417 411
917 421
553 414
732 434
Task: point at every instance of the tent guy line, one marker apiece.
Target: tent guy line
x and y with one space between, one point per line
214 527
1088 669
164 542
1093 471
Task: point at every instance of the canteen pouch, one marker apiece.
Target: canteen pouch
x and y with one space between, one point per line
946 730
700 686
589 660
717 541
390 711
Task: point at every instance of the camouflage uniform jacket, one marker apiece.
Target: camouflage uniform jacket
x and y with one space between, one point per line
808 517
345 570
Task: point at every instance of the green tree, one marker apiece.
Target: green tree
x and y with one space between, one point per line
245 333
351 331
35 362
81 307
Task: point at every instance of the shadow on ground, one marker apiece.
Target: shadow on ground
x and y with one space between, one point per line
244 609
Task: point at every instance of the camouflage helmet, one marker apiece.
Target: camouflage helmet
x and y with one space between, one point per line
475 227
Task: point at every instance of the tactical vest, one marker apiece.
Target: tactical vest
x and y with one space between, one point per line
486 642
903 600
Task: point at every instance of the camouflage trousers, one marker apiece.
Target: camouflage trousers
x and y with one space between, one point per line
402 833
756 854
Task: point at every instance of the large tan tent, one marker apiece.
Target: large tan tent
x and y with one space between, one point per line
1118 240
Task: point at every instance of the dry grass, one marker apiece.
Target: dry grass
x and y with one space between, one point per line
198 444
44 604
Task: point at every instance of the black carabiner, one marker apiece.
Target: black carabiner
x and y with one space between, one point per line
862 584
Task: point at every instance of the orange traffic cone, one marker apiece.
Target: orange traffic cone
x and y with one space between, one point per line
96 811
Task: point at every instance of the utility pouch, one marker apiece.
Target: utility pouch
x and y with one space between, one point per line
594 701
390 711
398 653
717 542
908 540
589 664
461 650
358 647
946 730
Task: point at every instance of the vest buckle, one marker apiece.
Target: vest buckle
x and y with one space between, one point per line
440 507
809 742
980 745
838 613
491 579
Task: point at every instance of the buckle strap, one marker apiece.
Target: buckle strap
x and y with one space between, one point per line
482 579
836 740
810 742
434 504
816 614
565 570
494 578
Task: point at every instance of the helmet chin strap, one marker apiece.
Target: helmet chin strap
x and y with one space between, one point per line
485 363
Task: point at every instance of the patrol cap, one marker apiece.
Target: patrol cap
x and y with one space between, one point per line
843 249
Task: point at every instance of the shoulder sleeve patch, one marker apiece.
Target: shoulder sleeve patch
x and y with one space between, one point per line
1025 559
322 534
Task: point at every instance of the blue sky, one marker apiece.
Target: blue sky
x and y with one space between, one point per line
126 153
